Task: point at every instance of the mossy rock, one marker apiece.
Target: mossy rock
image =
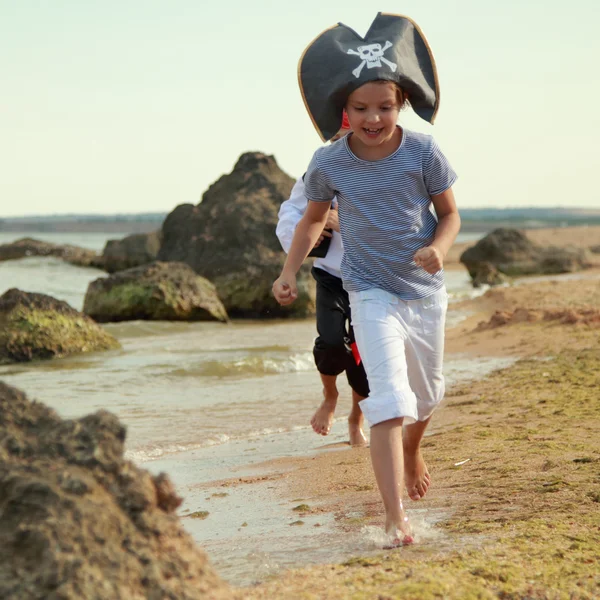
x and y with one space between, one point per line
36 326
132 251
248 293
230 238
157 291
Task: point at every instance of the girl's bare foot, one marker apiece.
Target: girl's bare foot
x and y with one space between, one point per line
416 474
322 420
400 533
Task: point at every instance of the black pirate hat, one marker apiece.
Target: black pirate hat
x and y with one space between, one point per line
338 61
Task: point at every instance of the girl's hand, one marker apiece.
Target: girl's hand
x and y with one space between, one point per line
430 258
285 290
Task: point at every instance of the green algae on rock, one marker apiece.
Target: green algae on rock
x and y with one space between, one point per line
157 291
247 292
36 326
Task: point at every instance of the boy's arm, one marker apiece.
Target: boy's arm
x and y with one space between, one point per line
290 213
431 258
307 233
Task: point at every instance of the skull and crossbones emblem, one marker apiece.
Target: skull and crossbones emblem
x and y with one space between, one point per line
372 56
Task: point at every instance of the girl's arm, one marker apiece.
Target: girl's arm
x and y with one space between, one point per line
306 235
431 258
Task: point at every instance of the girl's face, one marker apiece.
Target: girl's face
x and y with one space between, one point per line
373 111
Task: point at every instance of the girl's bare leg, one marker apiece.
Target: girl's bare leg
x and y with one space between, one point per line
388 466
416 474
322 420
355 422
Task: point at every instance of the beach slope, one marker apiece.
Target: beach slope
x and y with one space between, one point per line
515 461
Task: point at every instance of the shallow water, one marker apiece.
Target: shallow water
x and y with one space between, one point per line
249 533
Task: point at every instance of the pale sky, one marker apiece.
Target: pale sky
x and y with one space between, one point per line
139 105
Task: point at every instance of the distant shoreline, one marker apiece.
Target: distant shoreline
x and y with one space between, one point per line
474 220
121 227
147 226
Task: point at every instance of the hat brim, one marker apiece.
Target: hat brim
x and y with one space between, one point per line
338 61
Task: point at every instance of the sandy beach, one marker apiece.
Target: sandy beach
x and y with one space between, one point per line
513 509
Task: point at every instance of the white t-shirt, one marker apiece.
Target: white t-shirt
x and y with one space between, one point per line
290 213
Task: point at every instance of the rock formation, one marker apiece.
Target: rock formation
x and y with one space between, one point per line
25 247
132 251
80 522
36 326
510 252
230 239
156 291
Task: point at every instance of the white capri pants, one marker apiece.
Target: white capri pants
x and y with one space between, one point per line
401 343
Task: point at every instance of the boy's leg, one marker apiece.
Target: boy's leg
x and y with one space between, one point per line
355 422
323 418
357 379
329 350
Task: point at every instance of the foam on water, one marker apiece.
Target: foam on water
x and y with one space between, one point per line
154 452
252 365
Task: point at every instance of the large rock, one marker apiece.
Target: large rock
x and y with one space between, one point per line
132 251
36 326
230 239
26 247
79 521
157 291
510 252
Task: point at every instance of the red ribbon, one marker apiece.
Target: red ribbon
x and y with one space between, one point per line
355 353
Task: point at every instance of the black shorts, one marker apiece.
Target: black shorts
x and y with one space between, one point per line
332 351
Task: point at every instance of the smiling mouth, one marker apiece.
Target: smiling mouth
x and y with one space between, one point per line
372 132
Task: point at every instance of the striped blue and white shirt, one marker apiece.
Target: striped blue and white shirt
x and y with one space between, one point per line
384 210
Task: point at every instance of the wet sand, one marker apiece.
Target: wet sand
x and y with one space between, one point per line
512 512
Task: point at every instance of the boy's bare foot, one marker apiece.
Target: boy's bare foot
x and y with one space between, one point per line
322 420
355 422
356 434
416 474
